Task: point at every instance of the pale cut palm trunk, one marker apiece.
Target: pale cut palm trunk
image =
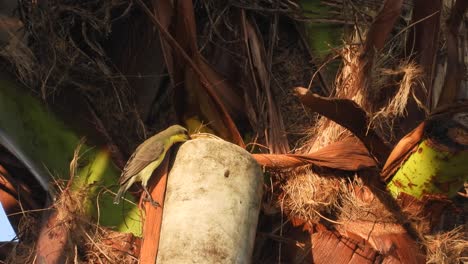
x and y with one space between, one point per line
212 204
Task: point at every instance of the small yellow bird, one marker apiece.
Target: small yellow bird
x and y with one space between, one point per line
147 157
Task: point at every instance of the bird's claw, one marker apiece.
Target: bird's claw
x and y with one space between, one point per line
150 199
152 202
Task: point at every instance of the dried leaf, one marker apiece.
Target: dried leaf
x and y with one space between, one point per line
401 152
348 114
432 209
451 109
331 247
185 53
407 144
349 155
164 11
126 245
382 25
201 103
224 89
390 240
455 71
261 94
13 191
185 27
423 40
8 195
374 42
15 197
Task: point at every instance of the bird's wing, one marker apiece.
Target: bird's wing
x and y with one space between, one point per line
142 157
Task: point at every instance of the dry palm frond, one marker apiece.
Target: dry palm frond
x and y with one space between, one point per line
408 76
357 203
448 247
308 196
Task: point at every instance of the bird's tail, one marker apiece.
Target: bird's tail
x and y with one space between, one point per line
120 194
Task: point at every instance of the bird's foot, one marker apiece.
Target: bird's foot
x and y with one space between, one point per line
148 198
152 202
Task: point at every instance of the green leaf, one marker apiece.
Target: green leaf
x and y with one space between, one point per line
321 36
46 146
431 171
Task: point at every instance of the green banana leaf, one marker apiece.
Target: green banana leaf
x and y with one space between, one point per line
46 146
430 170
321 36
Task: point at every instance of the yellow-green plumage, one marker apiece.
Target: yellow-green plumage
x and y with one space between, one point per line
147 157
